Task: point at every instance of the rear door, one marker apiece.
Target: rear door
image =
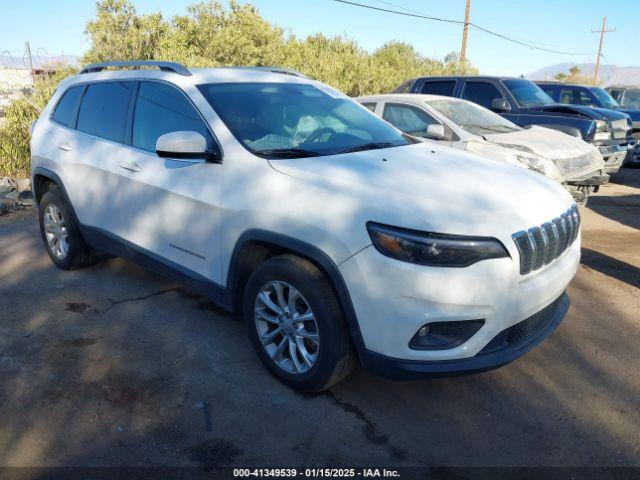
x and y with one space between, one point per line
171 207
93 151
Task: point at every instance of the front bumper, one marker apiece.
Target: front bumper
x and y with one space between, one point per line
613 156
507 346
594 181
393 300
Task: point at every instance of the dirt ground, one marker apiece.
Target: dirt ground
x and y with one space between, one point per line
115 366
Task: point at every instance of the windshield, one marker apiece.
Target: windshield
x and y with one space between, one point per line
631 98
528 94
604 98
473 118
297 119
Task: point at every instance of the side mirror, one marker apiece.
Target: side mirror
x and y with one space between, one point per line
435 131
185 146
500 105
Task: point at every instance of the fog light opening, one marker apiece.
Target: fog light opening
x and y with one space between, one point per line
444 335
424 331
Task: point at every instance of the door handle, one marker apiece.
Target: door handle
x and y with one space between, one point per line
130 166
65 146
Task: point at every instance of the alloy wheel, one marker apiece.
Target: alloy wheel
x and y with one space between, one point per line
55 230
287 327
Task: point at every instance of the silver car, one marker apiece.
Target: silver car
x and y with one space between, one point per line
468 126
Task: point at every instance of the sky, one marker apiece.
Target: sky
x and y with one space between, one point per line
57 26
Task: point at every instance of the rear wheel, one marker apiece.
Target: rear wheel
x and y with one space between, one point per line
296 325
60 234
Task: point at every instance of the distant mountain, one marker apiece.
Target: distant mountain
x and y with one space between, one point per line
39 61
608 75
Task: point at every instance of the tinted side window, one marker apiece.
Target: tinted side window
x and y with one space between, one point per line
65 112
615 93
481 93
549 91
405 87
160 109
575 96
409 119
444 87
369 106
104 108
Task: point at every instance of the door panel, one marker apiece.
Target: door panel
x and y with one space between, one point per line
92 151
170 206
172 209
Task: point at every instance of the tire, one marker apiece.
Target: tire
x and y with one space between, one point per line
76 254
333 354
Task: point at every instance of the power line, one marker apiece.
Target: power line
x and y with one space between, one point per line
553 45
427 17
460 22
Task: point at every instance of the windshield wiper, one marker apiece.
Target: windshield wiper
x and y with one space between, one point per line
287 153
368 146
499 129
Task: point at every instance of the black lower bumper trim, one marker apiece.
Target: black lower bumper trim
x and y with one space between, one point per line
591 181
400 369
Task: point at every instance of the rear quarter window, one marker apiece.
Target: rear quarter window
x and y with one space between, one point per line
405 87
369 106
65 111
104 108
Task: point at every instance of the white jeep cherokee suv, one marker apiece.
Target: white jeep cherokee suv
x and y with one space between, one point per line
339 239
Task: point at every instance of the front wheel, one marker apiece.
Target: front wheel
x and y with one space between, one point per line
296 325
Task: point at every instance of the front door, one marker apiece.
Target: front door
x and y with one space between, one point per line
172 206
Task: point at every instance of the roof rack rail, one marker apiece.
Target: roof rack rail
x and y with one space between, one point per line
164 66
283 70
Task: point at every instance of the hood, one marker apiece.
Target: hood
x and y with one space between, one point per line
574 157
586 112
431 187
609 114
634 113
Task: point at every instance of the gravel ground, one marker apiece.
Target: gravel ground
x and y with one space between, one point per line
116 366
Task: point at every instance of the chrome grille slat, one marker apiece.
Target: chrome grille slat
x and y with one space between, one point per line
560 233
541 245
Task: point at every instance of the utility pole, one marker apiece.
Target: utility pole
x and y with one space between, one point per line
465 32
601 32
30 62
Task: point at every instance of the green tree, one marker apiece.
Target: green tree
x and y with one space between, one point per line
213 34
15 131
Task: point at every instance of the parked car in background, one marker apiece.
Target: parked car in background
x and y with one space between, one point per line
524 103
338 237
589 96
627 96
468 126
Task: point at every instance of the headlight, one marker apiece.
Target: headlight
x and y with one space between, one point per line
540 164
526 158
433 249
602 130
